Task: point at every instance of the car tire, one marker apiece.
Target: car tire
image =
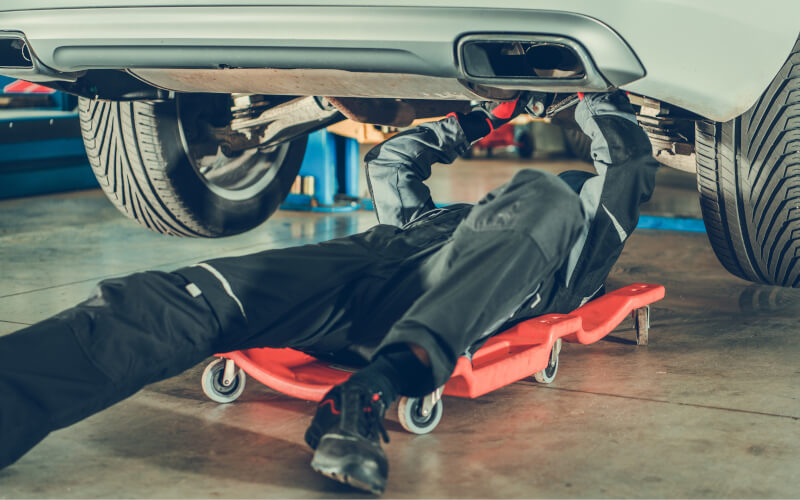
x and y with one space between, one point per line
748 172
577 143
147 164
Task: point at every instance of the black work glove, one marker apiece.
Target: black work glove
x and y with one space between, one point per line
488 116
498 114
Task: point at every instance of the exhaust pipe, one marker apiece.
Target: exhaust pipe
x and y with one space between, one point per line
14 53
538 62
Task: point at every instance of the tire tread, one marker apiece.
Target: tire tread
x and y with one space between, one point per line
112 138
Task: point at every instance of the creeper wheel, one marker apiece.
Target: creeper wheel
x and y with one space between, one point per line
409 413
549 374
213 382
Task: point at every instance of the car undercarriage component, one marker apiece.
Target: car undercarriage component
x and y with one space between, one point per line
330 82
395 112
259 122
671 132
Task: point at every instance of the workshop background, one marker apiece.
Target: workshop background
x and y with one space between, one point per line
709 408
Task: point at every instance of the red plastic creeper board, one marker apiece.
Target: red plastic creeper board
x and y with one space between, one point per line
515 354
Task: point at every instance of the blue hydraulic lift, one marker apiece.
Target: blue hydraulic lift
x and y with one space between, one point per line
328 178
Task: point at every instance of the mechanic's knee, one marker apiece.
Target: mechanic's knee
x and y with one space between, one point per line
113 292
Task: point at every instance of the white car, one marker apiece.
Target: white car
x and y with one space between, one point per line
195 112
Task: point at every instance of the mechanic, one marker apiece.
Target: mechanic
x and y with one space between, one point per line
410 295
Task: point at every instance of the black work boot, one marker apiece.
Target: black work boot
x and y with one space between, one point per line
346 432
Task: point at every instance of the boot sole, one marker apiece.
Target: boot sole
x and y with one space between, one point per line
348 479
350 471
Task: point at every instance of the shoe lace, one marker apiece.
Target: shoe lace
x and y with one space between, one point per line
374 408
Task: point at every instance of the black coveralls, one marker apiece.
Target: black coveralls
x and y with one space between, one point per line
439 278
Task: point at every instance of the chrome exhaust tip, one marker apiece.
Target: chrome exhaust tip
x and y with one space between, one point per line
521 59
18 60
14 52
528 61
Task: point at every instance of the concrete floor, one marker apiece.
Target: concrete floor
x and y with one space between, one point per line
709 409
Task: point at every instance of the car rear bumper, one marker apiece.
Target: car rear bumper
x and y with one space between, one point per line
420 42
714 58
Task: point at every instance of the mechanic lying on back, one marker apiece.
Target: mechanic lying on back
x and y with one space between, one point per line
410 295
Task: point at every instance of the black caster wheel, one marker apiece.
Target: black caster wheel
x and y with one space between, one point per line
214 384
409 413
549 374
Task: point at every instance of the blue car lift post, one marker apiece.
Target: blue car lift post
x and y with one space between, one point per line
328 178
41 150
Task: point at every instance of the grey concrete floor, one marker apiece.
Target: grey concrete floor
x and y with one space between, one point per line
709 409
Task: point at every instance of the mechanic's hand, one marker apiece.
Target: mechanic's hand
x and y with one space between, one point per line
500 113
537 104
488 116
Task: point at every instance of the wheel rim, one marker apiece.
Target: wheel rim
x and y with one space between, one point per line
411 419
220 387
231 174
418 418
